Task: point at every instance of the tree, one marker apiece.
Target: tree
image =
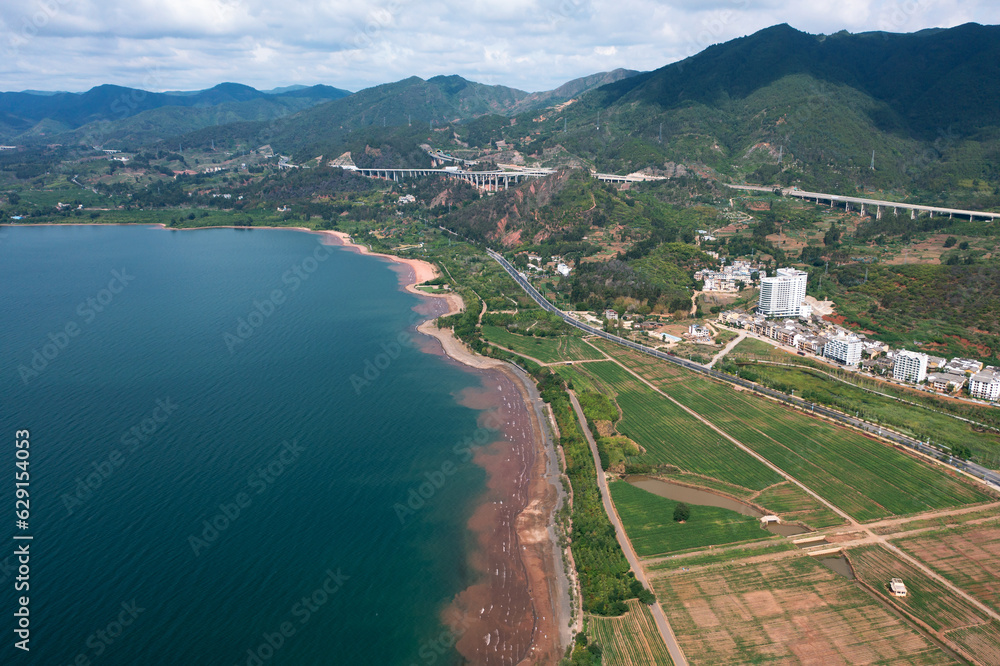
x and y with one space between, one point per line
832 237
961 451
964 245
950 241
681 512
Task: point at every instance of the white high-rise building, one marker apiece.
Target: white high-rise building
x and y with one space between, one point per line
783 294
844 348
985 384
910 367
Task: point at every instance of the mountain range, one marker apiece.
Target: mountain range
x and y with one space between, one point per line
779 107
38 113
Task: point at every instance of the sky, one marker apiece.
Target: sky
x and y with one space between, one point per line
527 44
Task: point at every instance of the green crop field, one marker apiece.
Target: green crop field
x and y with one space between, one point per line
671 436
968 556
796 505
629 640
912 420
727 556
545 349
983 639
926 599
649 523
581 380
863 477
930 602
980 515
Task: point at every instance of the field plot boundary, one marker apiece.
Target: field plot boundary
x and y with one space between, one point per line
547 349
931 486
928 603
739 444
613 634
792 610
970 568
649 525
705 451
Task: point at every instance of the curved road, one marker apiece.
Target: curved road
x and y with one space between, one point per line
661 619
988 476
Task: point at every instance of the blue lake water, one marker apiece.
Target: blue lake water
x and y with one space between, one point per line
208 485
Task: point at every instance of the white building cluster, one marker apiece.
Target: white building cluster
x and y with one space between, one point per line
852 349
729 278
819 338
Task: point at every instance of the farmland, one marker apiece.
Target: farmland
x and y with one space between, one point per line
671 436
953 619
967 556
863 477
978 515
546 349
927 600
850 396
983 639
795 505
729 555
648 521
629 640
790 610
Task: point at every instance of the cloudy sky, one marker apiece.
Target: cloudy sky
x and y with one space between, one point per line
527 44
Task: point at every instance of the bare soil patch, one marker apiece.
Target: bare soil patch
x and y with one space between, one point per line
789 611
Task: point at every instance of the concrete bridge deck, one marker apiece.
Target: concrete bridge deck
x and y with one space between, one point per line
491 180
864 204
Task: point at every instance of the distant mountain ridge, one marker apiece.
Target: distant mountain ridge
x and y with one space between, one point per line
21 112
572 89
928 78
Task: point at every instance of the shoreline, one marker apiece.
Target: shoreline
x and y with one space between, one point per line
538 553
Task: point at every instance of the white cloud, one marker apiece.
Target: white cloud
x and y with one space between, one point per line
528 44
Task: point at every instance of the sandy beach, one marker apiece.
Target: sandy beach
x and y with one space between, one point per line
518 612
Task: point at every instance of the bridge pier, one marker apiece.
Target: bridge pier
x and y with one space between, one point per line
913 213
878 212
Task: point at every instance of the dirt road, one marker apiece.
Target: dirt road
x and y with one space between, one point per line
661 619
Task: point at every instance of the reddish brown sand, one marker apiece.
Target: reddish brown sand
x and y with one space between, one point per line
507 616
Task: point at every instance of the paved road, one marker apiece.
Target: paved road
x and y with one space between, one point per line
978 471
661 619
